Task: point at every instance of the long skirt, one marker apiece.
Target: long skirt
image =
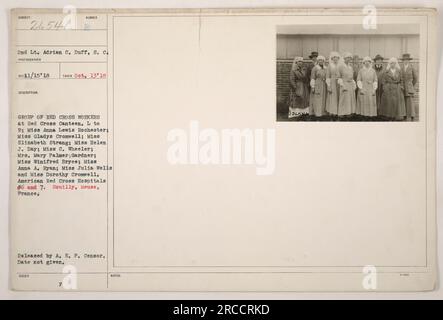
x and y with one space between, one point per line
298 100
318 99
366 103
332 98
346 103
392 102
410 106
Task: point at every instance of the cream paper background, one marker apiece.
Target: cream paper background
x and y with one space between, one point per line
342 194
323 214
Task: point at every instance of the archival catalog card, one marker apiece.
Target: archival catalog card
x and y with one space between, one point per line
223 150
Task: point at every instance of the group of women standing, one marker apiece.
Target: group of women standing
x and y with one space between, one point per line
339 90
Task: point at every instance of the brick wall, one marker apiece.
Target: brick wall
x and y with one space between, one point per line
283 71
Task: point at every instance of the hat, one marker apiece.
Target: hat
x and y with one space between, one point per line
297 59
313 54
406 56
347 55
378 57
367 59
321 58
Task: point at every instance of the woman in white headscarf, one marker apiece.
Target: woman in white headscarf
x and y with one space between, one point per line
318 88
347 85
298 96
332 75
367 84
392 105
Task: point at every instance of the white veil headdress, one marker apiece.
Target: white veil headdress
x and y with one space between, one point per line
332 65
370 61
345 55
397 66
294 63
332 55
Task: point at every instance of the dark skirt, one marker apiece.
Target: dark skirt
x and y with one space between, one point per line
392 103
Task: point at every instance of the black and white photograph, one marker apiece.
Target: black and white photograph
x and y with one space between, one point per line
348 73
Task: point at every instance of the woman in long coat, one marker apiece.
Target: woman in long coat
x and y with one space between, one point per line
299 94
347 101
318 88
367 84
392 99
332 75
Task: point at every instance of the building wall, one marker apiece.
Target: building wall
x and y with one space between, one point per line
290 46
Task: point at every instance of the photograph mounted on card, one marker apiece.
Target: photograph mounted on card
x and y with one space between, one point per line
223 150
